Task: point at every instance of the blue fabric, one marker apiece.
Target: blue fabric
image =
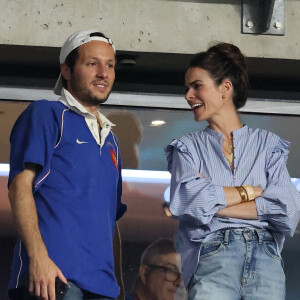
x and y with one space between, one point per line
77 194
199 171
239 265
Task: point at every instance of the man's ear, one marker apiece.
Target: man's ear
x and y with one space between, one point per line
143 273
65 71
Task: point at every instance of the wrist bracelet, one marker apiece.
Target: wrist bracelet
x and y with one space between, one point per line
250 192
242 193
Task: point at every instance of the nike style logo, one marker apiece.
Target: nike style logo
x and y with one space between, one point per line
110 144
80 142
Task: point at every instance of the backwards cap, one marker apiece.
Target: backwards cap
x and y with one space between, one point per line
75 40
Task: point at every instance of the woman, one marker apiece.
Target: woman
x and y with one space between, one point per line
230 188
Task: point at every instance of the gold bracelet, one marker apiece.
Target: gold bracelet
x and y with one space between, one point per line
242 193
250 192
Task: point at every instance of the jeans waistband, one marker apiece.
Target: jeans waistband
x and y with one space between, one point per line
227 235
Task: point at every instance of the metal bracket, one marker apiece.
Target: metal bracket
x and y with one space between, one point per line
263 17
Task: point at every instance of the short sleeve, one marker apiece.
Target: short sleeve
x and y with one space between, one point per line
33 138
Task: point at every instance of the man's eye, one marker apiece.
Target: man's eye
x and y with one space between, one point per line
172 271
92 64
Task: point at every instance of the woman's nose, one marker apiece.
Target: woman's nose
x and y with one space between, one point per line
189 95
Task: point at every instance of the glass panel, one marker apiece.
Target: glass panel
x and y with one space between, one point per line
142 144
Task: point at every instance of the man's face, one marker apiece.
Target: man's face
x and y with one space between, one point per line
93 76
156 283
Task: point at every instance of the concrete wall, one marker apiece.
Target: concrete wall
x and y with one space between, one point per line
170 26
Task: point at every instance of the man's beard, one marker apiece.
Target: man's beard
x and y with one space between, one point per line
84 94
94 100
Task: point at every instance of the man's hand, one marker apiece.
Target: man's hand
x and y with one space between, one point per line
42 270
42 274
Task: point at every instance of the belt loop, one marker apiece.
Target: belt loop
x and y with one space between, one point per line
260 235
226 236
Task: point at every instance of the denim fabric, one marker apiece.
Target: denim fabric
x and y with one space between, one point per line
239 264
75 293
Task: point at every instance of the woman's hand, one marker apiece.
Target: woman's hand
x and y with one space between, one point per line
233 197
246 210
257 191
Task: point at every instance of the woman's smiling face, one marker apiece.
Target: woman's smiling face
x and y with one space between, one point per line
202 94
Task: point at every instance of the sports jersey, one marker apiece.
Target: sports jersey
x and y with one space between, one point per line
77 191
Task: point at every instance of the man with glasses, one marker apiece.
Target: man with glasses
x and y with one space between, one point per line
159 274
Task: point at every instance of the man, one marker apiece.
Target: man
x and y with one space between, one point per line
65 180
159 277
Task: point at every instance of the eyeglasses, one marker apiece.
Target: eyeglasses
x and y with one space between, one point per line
171 275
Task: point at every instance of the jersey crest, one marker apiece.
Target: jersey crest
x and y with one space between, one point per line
114 158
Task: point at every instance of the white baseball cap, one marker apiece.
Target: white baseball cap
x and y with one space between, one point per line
75 40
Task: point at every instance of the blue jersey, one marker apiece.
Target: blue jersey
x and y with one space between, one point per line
77 194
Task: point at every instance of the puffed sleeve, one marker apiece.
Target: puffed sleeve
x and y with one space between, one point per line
192 197
33 139
279 204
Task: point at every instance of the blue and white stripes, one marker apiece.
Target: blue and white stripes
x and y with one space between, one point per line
199 171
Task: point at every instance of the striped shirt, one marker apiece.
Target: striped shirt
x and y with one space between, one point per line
199 171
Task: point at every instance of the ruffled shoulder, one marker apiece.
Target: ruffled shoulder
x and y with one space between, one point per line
179 144
282 146
270 141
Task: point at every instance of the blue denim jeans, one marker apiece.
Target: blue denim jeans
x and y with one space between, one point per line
73 293
76 293
239 264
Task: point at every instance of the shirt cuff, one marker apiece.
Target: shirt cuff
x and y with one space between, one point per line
221 196
260 207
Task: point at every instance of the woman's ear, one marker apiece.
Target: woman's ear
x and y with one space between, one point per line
143 273
226 88
65 71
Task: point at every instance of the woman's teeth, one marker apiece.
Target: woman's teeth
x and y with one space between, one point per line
196 105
